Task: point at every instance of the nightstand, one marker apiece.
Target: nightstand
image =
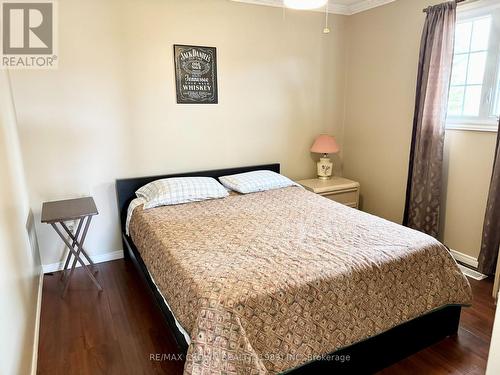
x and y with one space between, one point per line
337 189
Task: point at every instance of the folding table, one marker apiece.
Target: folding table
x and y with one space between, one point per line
60 212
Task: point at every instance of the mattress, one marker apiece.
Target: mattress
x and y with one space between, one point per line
178 325
265 282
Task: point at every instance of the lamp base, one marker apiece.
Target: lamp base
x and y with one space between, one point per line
325 168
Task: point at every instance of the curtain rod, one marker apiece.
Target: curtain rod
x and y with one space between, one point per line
456 1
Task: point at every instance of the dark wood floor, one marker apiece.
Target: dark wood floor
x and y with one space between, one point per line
117 331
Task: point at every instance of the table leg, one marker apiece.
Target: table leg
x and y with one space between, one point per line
76 254
74 238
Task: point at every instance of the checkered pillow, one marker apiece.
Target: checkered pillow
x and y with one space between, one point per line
252 182
169 191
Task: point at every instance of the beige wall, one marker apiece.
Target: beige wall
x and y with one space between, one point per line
382 57
109 111
468 166
19 265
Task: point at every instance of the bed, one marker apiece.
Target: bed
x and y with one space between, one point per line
285 281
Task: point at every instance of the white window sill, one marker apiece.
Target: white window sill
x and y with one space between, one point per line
473 127
483 125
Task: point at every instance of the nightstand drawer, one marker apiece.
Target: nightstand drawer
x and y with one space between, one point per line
337 189
349 198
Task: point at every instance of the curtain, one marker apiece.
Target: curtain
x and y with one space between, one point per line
491 228
423 191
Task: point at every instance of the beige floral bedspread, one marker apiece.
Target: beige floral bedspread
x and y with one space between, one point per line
265 281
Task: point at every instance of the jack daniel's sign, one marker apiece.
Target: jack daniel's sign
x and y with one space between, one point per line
196 74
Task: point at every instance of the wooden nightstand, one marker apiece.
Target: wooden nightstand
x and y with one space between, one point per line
337 189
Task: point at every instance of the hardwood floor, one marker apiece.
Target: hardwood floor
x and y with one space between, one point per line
465 353
117 331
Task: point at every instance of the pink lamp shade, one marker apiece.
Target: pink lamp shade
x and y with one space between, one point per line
325 144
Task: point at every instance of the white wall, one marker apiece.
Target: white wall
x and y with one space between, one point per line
109 111
493 367
19 264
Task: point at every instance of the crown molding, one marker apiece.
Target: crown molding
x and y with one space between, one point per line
333 7
364 5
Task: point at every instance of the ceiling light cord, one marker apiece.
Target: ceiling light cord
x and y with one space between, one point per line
311 4
326 30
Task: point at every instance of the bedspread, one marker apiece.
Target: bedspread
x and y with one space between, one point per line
265 282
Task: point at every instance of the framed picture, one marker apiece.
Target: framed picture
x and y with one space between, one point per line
195 74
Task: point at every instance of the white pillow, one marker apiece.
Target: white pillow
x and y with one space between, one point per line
176 190
252 182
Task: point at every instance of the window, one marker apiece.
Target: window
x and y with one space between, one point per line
474 100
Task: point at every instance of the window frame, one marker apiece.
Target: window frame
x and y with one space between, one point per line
486 121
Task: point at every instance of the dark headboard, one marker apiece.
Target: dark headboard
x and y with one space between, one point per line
126 188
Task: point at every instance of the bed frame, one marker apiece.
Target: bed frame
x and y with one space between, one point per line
364 357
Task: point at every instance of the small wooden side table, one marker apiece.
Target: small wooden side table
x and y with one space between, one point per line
59 212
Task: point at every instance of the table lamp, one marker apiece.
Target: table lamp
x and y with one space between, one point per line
325 144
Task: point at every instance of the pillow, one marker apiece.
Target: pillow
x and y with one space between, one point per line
176 190
252 182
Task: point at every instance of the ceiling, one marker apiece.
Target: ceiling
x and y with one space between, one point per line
345 7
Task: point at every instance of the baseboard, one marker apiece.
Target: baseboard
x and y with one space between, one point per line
464 258
468 261
472 273
100 258
36 337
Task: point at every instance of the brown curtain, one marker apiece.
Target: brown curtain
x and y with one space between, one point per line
491 229
423 192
